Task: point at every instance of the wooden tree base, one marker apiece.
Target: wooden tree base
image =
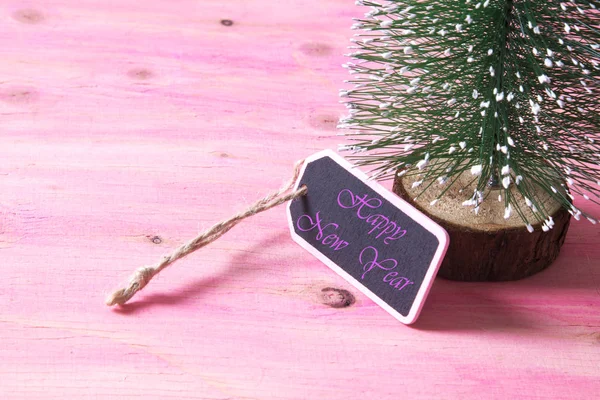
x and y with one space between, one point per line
485 247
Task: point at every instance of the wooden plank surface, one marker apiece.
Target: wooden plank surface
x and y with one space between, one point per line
129 126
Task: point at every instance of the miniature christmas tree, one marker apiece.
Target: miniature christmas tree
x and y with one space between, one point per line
504 90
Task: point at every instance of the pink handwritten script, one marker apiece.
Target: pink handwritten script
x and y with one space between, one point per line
306 223
387 264
373 239
328 234
392 278
381 225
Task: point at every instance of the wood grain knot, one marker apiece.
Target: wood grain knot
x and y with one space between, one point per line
226 22
336 298
140 73
29 16
155 239
316 49
19 95
323 121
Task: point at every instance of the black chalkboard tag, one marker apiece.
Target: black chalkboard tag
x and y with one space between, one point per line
379 243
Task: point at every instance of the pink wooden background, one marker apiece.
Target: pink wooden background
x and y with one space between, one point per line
127 126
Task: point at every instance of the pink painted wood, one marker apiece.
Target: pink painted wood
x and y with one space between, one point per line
128 126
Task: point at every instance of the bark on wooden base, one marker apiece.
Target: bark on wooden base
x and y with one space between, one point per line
497 254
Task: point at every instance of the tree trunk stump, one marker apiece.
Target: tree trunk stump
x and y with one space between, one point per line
486 247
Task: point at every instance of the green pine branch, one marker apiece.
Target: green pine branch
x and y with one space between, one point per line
504 90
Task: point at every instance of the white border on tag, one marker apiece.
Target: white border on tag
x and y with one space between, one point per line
408 209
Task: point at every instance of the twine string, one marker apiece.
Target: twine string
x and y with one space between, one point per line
143 275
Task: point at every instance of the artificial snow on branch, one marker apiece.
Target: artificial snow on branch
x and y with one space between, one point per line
505 90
